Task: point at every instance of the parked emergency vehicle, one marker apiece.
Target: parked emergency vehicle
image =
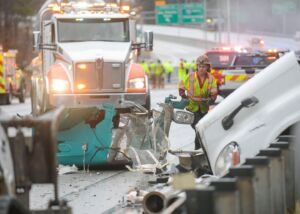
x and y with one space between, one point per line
12 82
88 55
233 67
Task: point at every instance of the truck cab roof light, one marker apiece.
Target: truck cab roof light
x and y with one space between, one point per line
125 8
85 7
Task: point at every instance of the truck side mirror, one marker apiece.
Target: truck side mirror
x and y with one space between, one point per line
148 37
36 40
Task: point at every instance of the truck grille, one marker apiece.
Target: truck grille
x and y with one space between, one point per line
87 76
99 76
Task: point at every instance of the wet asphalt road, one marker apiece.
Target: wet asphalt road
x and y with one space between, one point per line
99 190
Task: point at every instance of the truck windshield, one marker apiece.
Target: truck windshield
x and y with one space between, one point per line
80 30
220 59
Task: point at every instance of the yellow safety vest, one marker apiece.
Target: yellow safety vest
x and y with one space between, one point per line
194 67
159 70
2 75
168 67
195 92
145 68
181 71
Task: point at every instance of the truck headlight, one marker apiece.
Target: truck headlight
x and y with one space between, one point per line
228 157
137 83
60 85
183 116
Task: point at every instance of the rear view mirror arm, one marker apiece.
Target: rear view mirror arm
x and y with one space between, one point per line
227 121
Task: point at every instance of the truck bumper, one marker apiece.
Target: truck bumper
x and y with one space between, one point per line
91 100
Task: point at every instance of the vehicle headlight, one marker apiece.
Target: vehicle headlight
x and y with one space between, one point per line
229 156
137 83
60 85
183 116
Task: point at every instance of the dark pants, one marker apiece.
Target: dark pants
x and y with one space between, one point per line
197 116
169 77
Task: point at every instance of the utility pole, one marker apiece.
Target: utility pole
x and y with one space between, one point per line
6 25
219 22
228 22
238 20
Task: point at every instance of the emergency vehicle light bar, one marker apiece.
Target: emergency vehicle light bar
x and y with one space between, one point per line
99 7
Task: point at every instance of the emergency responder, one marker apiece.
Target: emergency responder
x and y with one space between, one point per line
181 70
201 88
193 66
169 70
145 67
152 74
187 67
160 74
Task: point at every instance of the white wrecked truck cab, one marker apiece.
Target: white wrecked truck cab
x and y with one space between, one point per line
271 105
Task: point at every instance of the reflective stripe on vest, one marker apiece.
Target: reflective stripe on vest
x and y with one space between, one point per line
2 78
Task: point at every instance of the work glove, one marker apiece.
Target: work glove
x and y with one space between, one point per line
183 96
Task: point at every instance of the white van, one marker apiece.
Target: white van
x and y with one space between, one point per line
252 116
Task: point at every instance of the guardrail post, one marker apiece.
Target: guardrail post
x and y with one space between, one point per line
203 195
245 184
226 196
289 172
276 179
262 185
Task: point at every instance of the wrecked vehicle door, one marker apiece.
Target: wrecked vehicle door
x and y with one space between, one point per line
253 116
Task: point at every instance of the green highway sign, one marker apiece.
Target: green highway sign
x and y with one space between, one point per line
167 14
284 7
193 13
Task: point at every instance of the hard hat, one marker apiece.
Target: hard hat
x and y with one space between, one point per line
202 60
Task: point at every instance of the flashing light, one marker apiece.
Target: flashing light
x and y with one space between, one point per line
99 4
271 58
82 66
81 86
125 8
226 48
112 5
209 20
262 42
56 8
81 5
272 50
51 5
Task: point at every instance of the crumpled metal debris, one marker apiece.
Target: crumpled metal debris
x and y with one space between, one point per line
206 179
136 196
62 169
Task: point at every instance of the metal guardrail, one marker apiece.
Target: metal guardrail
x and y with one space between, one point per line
263 184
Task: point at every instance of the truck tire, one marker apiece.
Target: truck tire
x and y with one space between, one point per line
22 92
8 98
148 99
34 108
9 205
